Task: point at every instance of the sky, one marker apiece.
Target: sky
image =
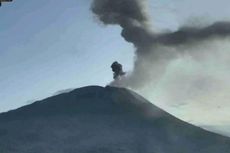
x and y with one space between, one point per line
52 45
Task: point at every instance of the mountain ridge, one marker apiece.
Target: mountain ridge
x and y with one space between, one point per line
102 119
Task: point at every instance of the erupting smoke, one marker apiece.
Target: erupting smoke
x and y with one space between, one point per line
117 69
154 52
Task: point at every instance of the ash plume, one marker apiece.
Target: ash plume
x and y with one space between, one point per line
154 51
118 70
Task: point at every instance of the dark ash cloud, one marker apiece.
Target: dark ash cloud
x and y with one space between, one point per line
154 51
195 34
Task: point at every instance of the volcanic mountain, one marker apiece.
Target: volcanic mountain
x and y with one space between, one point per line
102 120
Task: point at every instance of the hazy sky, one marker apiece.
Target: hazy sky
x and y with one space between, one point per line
51 45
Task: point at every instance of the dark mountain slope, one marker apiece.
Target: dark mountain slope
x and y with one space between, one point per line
102 120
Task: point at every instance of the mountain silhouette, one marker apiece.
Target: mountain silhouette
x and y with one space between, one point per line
102 120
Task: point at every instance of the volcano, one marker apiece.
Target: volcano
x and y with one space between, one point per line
102 120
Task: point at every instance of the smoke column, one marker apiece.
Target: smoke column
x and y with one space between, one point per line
153 51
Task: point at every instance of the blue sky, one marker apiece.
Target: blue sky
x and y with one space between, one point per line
51 45
47 47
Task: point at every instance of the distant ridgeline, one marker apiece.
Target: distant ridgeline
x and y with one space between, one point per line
4 1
